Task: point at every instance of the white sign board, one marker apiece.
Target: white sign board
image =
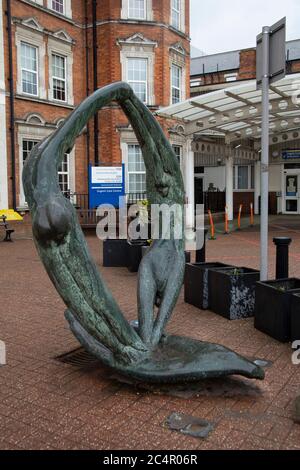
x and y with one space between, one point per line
107 175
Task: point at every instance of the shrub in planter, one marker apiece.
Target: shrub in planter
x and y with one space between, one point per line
273 307
233 292
115 253
295 317
135 254
196 283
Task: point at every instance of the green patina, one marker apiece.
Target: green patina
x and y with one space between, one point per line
92 312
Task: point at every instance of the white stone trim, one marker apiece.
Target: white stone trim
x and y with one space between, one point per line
148 11
3 153
67 8
181 17
36 39
37 132
65 50
139 47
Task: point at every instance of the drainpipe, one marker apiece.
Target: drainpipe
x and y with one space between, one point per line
11 105
95 74
87 82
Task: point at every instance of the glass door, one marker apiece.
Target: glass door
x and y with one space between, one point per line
291 193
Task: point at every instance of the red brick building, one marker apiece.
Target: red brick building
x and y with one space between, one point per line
53 53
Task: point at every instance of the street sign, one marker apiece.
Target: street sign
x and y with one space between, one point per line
106 185
270 67
277 53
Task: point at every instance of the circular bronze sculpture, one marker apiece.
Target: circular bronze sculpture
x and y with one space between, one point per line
93 314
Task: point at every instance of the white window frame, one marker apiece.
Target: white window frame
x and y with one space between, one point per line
35 72
140 48
181 15
34 39
145 82
236 173
67 8
22 202
137 17
64 80
178 67
63 7
63 49
37 132
148 11
60 172
134 172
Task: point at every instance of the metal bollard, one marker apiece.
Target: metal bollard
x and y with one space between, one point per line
201 254
282 256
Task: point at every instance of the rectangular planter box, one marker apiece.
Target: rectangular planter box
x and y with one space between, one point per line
196 283
295 317
115 253
273 307
233 292
135 254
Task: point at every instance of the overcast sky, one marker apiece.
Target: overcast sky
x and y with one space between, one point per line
223 25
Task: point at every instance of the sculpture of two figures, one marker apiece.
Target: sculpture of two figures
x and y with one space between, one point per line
146 354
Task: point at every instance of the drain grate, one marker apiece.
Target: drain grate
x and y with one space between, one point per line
80 358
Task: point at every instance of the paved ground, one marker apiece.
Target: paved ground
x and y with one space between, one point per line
45 404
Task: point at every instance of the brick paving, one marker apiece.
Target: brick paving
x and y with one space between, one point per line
45 404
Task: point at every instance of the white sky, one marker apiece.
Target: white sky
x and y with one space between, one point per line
224 25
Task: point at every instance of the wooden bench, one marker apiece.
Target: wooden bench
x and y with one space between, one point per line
8 231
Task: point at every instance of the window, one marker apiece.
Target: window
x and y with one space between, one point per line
59 77
29 69
175 13
136 9
58 6
176 79
63 175
137 77
243 177
136 170
178 152
27 147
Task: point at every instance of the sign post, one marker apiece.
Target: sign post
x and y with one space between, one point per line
270 67
106 185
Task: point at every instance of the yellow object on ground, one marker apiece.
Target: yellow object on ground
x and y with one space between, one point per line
10 215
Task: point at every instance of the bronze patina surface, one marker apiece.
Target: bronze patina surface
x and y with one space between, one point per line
93 314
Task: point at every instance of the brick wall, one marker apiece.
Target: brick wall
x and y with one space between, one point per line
109 29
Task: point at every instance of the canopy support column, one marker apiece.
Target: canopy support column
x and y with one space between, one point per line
229 186
189 183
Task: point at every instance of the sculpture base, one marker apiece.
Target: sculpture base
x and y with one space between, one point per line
175 360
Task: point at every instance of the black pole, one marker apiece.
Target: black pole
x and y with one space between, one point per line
87 81
282 256
11 106
201 253
95 74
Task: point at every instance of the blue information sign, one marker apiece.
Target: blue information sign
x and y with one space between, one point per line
290 154
106 185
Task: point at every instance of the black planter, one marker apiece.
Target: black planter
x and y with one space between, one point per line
233 292
115 253
273 307
196 283
135 254
295 317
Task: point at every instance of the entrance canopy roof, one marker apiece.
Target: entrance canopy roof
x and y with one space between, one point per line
235 112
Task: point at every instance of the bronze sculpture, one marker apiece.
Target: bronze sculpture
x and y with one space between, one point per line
93 314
